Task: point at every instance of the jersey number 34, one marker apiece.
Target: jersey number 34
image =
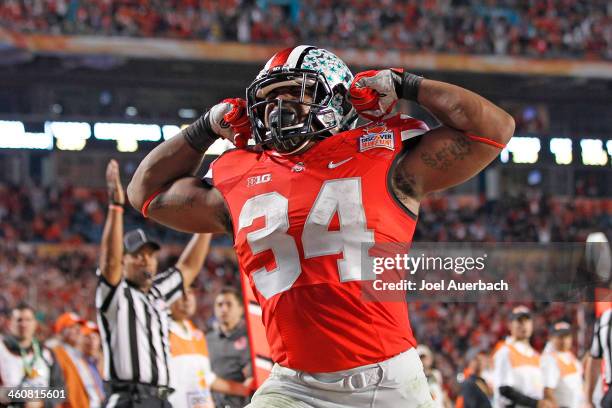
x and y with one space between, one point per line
342 196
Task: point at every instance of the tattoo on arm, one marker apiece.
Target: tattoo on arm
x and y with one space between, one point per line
404 184
177 202
454 150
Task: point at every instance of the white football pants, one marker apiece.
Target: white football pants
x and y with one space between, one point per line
396 382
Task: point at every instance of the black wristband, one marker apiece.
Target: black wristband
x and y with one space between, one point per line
410 86
199 134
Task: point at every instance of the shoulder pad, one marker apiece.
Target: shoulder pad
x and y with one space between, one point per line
231 164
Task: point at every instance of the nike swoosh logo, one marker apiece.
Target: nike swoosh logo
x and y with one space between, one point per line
333 165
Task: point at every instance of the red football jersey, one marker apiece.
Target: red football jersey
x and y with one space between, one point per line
300 223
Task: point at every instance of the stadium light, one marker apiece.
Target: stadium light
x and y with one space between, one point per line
187 113
14 136
562 149
127 144
69 135
136 131
593 153
523 149
127 135
131 111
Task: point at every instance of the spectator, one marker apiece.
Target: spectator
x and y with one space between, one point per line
190 372
68 328
475 392
229 346
561 370
517 376
24 361
91 369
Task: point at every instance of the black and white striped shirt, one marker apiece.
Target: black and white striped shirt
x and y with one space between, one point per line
134 328
602 340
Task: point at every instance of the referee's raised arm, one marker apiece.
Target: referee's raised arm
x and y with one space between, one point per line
193 256
111 247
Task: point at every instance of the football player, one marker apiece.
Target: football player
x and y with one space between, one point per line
303 203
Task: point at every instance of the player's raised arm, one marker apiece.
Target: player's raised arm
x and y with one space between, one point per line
473 131
111 247
163 187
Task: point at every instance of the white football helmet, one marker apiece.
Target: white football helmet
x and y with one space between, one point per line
315 72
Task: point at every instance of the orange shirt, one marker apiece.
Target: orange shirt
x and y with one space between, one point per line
189 366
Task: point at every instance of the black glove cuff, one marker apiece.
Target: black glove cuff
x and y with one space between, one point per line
199 134
410 86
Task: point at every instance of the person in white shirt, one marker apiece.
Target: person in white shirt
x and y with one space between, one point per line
25 362
191 376
561 370
517 377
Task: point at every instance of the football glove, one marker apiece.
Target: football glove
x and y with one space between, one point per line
374 93
229 120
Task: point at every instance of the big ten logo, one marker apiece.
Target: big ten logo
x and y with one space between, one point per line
264 178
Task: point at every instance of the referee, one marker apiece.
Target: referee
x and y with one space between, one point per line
600 349
132 302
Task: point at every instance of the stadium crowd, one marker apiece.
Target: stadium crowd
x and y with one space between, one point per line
62 215
569 28
76 215
57 279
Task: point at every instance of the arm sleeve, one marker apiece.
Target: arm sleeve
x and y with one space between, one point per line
596 349
169 284
517 397
550 371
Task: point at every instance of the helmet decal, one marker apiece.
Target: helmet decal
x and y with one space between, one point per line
334 69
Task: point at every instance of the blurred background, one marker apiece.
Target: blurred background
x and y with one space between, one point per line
84 81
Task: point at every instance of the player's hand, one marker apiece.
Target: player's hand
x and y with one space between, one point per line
229 119
374 93
116 195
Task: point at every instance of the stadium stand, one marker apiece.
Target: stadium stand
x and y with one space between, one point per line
76 215
573 28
